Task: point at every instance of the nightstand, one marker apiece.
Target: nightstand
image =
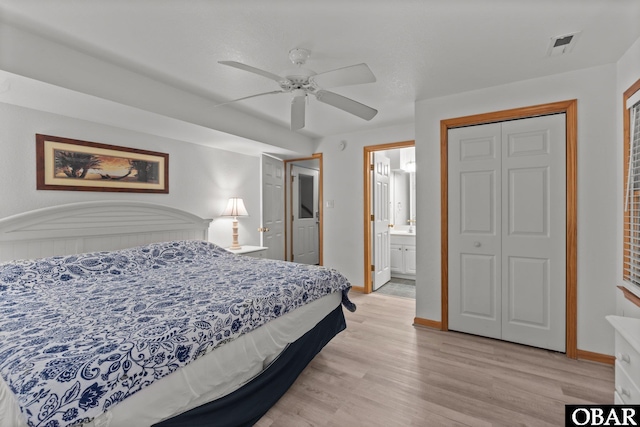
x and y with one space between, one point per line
252 251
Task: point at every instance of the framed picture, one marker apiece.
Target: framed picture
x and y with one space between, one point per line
69 164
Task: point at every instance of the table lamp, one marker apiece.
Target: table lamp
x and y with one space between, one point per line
235 208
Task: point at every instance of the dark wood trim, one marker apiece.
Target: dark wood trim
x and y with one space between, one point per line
434 324
40 166
630 295
571 112
626 144
570 109
595 357
366 169
287 183
366 182
444 224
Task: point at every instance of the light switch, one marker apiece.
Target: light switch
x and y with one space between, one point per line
328 204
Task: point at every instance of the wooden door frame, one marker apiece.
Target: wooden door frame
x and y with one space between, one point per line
570 109
288 247
626 146
366 172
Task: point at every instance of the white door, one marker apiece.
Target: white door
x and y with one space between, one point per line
534 231
474 230
507 231
305 215
272 229
381 244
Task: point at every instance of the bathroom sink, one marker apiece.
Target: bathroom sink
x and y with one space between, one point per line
404 232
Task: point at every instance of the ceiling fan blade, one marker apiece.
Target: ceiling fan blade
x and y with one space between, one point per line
251 69
251 96
346 104
297 112
352 75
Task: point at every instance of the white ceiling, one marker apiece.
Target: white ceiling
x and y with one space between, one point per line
416 49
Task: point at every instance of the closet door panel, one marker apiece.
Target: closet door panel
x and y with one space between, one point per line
528 202
474 230
478 203
529 292
534 231
478 286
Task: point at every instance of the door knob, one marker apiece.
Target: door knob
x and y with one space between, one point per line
263 229
477 244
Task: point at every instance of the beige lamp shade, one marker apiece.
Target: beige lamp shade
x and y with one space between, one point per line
235 207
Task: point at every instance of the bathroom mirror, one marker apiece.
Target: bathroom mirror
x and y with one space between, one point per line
403 196
402 205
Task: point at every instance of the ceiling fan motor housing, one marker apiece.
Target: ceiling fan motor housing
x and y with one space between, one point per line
297 78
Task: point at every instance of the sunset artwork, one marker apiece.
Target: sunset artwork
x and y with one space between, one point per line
78 165
67 164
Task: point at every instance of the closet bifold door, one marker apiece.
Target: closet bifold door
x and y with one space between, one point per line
534 231
507 231
475 176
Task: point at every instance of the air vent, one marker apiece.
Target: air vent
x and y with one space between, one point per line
560 45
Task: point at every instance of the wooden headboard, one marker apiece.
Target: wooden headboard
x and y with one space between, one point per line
95 226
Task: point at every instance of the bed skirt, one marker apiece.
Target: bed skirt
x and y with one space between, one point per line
245 406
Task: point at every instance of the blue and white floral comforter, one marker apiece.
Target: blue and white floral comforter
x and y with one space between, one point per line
81 333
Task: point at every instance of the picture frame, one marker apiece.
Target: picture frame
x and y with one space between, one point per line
75 165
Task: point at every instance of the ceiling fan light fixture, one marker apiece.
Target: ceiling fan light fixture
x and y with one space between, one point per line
298 109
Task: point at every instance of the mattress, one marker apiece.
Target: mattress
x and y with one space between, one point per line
212 376
82 335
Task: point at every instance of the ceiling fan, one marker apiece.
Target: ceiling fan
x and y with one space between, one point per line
302 82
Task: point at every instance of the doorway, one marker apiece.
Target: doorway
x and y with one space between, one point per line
377 213
569 108
304 210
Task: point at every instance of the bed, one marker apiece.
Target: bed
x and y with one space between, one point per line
122 313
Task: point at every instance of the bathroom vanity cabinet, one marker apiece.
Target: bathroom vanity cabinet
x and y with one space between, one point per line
403 255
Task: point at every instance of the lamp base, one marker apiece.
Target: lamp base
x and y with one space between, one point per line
235 245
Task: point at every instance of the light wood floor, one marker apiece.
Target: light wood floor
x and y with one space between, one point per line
382 371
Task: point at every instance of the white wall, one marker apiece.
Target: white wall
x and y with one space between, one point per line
628 72
200 179
595 89
343 184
